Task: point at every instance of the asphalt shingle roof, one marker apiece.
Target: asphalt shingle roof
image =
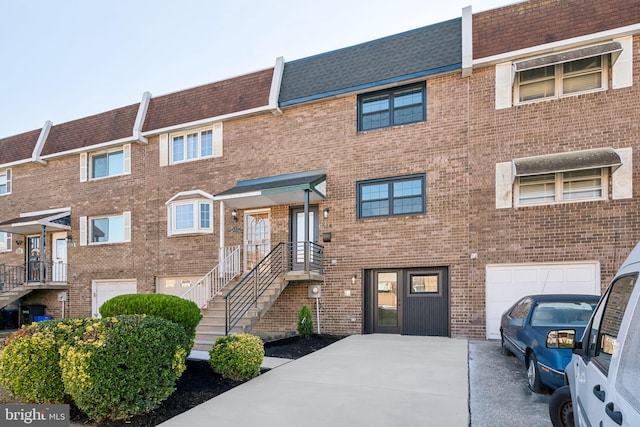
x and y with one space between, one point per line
415 53
18 147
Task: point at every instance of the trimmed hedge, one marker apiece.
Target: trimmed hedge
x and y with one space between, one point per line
237 357
124 366
305 322
30 362
179 310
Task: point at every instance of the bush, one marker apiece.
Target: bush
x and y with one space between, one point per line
30 362
305 322
179 310
237 357
124 366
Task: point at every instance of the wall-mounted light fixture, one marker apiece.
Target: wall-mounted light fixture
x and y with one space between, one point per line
325 213
353 279
69 238
18 242
234 215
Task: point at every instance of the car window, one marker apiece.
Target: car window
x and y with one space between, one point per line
521 310
628 378
562 313
606 322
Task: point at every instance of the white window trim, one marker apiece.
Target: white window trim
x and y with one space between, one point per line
559 183
559 77
86 235
7 173
166 144
196 202
184 134
86 163
7 242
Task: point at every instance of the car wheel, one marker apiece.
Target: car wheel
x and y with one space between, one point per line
533 375
561 408
504 350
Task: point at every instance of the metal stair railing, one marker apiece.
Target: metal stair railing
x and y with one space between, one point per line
11 277
244 295
215 280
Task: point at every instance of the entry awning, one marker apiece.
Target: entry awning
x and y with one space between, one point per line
276 190
572 55
566 162
32 224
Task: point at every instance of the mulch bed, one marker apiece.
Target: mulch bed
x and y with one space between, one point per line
199 383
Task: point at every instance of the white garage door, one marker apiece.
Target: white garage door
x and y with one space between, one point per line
107 289
506 283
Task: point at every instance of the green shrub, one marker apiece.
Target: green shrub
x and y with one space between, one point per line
178 310
305 322
124 366
237 357
30 362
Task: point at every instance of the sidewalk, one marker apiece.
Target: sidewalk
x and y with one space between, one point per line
362 380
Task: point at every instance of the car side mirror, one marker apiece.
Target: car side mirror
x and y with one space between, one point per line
518 323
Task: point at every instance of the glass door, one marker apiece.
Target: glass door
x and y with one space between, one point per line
387 313
299 240
33 258
257 237
59 257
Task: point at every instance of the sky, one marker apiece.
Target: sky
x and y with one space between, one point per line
62 60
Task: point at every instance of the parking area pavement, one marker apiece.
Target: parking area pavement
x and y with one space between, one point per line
498 391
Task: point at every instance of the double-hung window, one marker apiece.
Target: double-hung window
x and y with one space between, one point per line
5 182
109 229
391 196
105 163
192 145
392 107
190 212
588 184
568 78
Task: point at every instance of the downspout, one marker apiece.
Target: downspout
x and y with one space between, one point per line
467 41
42 138
142 114
276 82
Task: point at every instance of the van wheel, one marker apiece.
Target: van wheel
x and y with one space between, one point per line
561 408
533 374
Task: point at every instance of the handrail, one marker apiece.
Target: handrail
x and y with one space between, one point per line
11 276
282 258
215 280
32 272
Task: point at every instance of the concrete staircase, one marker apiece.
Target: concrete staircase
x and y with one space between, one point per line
14 294
212 324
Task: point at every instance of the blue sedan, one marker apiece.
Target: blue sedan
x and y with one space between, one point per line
540 330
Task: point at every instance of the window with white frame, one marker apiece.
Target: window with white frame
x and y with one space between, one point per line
568 78
105 163
105 229
193 216
5 241
192 145
5 182
580 185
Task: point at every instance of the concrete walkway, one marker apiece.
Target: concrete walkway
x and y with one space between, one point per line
362 380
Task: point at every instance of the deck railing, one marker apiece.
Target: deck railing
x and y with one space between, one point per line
32 272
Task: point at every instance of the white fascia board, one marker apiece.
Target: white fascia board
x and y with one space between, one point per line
16 163
276 82
45 212
202 194
142 114
211 120
95 147
238 195
558 46
42 138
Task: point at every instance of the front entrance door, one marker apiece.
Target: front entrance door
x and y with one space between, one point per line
59 257
257 237
299 240
33 258
412 301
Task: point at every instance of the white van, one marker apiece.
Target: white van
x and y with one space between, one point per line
604 373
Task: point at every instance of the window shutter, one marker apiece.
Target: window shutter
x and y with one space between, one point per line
127 225
126 158
8 175
83 167
164 149
169 216
504 85
217 140
83 231
622 69
622 178
8 242
504 185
